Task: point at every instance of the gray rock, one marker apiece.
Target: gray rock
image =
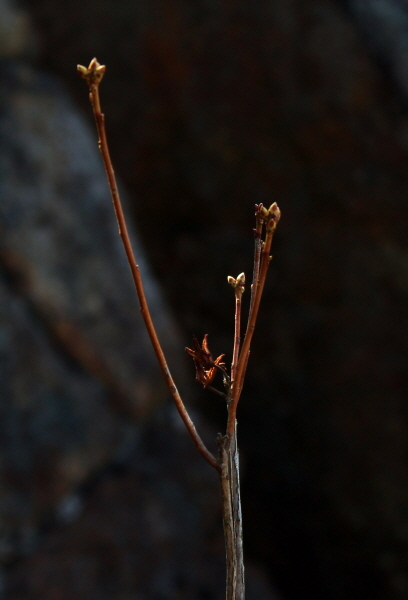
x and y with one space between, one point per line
60 238
77 368
385 25
17 34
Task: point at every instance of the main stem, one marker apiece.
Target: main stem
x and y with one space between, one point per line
232 515
229 474
228 447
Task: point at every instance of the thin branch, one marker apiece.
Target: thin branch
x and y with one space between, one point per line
272 217
238 285
226 379
261 214
93 75
213 389
257 253
237 334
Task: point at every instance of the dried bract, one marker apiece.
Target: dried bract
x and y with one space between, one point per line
205 365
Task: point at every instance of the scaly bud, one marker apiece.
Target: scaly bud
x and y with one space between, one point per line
83 71
260 211
273 218
241 279
238 283
93 73
240 289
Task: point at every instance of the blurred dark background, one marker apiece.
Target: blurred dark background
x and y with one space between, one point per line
211 107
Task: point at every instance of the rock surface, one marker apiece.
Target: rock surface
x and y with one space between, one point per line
211 108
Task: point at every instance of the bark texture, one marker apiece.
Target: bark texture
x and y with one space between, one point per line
232 517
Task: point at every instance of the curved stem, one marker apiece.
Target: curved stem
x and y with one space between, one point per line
93 81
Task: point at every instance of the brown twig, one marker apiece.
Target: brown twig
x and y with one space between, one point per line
228 446
271 218
238 285
228 463
213 389
257 253
237 333
93 75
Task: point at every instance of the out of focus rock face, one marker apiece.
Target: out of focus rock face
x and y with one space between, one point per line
77 370
384 24
60 242
211 108
18 38
148 531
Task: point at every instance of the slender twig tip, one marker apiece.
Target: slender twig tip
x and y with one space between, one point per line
241 279
260 211
93 73
238 283
272 218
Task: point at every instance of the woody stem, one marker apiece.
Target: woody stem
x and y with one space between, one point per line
134 267
237 331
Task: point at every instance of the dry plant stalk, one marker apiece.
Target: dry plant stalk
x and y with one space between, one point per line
227 463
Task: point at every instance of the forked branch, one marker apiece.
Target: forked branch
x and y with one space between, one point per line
206 366
268 218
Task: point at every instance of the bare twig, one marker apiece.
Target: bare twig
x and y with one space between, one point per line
257 253
93 75
227 464
271 218
238 285
213 389
228 447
